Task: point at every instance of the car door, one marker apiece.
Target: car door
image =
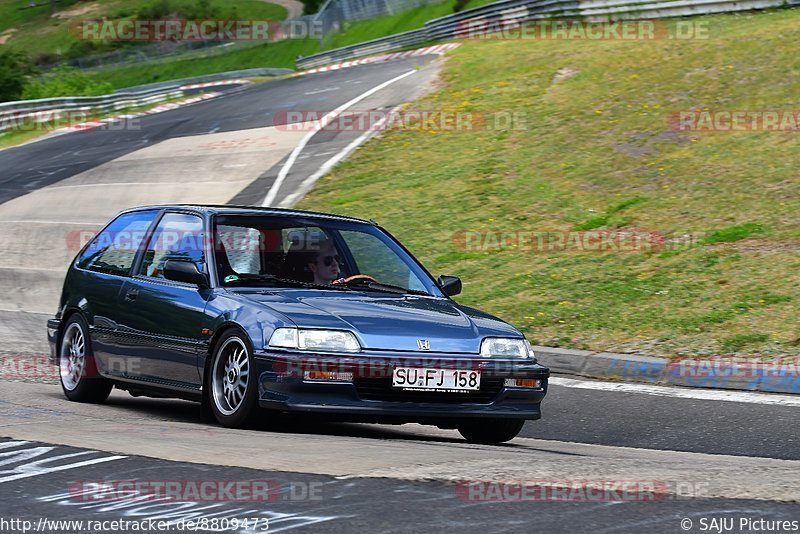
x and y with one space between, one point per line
95 283
162 318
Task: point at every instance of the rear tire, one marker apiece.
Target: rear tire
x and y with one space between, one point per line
80 380
231 381
491 431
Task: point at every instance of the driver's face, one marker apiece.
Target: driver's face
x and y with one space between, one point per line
326 266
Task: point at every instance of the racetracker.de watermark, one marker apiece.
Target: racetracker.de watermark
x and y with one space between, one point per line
52 120
779 374
754 120
432 120
201 30
510 28
195 490
579 490
33 368
312 367
526 240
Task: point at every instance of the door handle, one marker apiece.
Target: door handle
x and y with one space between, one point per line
131 295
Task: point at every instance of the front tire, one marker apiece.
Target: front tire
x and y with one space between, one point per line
80 380
232 389
491 431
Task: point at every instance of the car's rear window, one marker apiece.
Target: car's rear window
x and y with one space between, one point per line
114 249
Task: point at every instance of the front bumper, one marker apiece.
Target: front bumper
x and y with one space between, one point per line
370 395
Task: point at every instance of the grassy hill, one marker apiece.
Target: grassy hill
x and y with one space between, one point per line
282 54
34 31
48 39
597 152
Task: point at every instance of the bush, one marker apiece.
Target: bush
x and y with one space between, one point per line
311 6
15 68
155 10
66 81
162 9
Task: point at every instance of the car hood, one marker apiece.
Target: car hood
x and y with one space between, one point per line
388 322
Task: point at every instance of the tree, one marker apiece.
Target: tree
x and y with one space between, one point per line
52 8
14 71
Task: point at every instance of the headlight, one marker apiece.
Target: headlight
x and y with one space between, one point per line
318 340
531 355
502 347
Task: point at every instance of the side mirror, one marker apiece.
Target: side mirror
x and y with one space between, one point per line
450 285
185 271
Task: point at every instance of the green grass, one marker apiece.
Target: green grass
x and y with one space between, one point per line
27 131
12 16
280 55
596 153
408 20
40 34
45 35
380 27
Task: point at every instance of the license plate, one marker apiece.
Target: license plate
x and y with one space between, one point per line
436 379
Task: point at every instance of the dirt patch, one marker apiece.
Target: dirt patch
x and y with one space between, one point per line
78 11
759 245
6 35
564 74
294 8
632 150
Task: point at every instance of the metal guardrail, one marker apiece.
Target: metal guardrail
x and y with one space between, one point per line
229 75
47 109
506 12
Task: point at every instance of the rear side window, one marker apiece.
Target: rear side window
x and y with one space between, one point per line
113 250
178 236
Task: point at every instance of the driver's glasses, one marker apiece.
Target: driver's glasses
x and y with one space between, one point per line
327 261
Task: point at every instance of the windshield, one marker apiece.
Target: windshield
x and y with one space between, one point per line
286 251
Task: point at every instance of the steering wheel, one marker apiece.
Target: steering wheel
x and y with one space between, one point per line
356 278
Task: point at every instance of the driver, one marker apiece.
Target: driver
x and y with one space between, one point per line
325 265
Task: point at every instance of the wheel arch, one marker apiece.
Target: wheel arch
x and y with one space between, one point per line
66 316
219 333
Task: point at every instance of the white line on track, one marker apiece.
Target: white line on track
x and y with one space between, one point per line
43 269
683 393
34 472
84 223
48 313
273 191
328 165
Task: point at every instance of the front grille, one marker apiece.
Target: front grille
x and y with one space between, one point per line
381 389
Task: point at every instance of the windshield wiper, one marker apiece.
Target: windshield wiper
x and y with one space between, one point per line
271 278
385 288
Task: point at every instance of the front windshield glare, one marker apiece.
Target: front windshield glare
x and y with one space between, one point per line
261 250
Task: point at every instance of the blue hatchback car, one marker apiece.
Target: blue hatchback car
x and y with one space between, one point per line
244 308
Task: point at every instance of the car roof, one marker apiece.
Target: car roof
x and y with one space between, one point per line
225 209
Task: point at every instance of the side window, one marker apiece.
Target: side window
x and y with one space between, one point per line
178 236
242 246
113 250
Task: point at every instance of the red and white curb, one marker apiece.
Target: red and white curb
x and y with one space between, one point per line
119 118
436 49
214 84
158 109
